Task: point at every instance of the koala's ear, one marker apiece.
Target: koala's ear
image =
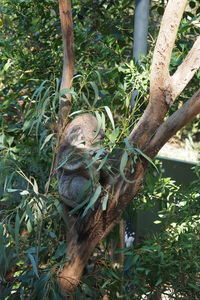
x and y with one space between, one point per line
75 136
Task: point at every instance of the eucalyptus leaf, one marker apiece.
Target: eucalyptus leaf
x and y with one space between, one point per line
34 265
96 157
147 158
93 199
123 163
99 120
96 92
109 113
47 139
105 202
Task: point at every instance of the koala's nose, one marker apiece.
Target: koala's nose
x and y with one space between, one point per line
101 134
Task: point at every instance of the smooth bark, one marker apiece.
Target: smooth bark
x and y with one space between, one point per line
65 11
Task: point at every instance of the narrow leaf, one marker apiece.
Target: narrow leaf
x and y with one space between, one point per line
35 187
99 77
109 113
65 91
129 147
33 262
99 120
147 158
122 167
47 139
85 99
103 161
78 207
96 157
104 203
93 200
96 92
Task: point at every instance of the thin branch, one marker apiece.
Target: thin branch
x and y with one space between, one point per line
68 59
160 78
174 123
186 70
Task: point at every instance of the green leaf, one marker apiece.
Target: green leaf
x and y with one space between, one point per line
122 167
96 157
9 140
41 286
158 281
79 206
85 99
7 65
93 200
147 158
110 116
113 135
33 262
96 92
47 139
66 91
60 251
129 147
104 202
99 120
99 77
103 161
35 187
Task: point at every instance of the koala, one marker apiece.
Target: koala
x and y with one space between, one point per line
79 142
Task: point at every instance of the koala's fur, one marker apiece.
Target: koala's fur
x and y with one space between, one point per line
74 155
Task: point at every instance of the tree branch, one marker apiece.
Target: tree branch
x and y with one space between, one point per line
160 78
68 58
160 82
186 70
174 123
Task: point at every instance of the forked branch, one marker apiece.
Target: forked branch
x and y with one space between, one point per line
164 89
174 123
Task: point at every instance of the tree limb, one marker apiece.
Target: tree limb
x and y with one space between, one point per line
186 70
160 82
160 78
68 58
174 123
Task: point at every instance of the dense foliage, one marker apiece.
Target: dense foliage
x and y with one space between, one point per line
32 241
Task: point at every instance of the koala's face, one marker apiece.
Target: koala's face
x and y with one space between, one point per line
82 131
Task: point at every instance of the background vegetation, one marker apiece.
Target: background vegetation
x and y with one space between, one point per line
32 242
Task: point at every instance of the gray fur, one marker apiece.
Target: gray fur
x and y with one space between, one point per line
74 155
